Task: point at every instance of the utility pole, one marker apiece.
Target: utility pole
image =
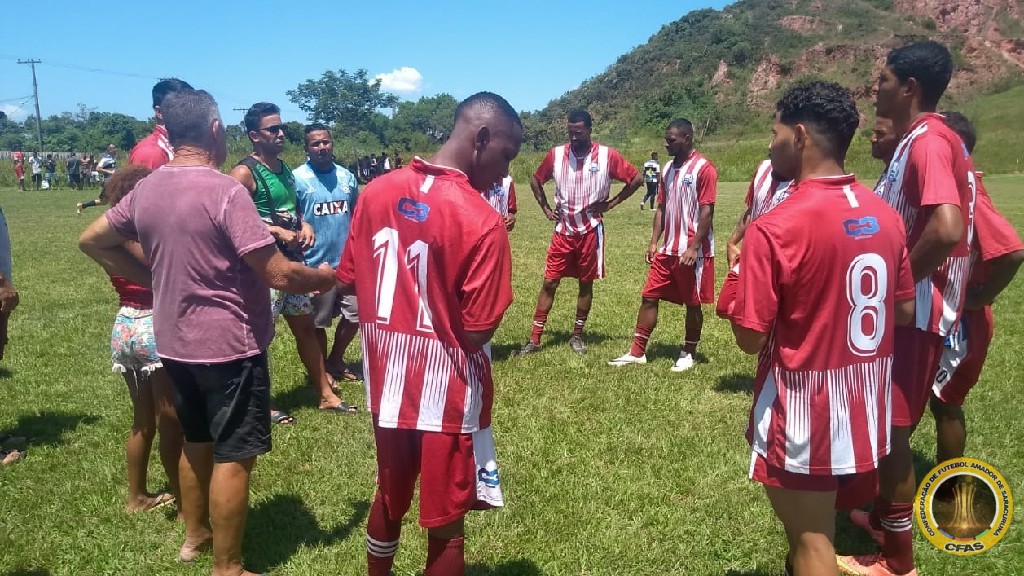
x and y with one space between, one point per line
35 94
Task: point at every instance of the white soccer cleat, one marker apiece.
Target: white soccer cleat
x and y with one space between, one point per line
626 359
684 363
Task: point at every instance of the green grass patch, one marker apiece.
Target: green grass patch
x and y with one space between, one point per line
633 471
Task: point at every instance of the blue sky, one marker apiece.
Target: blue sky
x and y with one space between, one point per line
107 56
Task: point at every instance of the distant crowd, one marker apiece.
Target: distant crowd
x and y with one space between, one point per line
78 172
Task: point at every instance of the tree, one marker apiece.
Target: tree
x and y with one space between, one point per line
433 116
346 100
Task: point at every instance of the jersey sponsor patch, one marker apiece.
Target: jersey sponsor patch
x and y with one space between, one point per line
413 210
865 227
330 208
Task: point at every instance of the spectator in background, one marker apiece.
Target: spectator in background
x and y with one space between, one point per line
19 172
51 172
398 161
385 163
108 163
154 150
37 170
74 170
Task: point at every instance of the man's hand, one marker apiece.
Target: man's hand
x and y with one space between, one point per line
549 213
732 252
291 239
325 267
306 236
8 297
598 208
689 257
510 222
652 251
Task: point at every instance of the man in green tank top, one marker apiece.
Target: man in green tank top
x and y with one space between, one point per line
272 186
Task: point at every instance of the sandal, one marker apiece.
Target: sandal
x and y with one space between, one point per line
343 408
281 417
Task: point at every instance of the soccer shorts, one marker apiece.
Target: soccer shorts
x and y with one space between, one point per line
290 304
227 404
132 345
457 472
579 256
763 472
727 296
329 305
684 285
963 357
915 361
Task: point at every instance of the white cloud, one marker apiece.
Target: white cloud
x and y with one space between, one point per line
404 79
14 112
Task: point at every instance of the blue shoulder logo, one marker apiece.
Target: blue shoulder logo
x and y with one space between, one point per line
488 477
413 210
865 227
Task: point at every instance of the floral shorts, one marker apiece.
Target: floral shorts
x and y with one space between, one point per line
132 345
290 304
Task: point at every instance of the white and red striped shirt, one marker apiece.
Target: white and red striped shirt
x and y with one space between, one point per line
682 192
580 182
765 192
932 167
502 196
430 261
825 294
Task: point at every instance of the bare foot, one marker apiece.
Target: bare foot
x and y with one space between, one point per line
150 502
191 549
10 457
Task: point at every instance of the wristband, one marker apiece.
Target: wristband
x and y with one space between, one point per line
89 204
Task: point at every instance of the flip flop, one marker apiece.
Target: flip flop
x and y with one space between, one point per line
163 499
343 408
281 418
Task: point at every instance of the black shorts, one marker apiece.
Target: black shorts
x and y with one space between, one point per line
227 404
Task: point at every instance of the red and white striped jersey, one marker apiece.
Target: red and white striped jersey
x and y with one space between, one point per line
580 182
765 192
825 294
502 196
682 192
430 262
932 167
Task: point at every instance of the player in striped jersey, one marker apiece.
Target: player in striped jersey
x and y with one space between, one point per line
884 140
766 190
681 252
583 171
818 304
502 197
996 254
430 262
931 183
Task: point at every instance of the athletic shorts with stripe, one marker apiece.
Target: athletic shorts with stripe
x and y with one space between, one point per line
963 356
457 473
915 361
684 285
580 256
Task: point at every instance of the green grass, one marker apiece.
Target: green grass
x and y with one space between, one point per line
633 471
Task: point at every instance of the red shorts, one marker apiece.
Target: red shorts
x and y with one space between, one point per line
576 256
915 361
962 359
447 469
727 295
852 490
685 285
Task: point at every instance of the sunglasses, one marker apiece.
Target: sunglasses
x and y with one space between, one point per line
274 129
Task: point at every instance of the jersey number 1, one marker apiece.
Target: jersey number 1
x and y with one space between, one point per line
867 281
385 252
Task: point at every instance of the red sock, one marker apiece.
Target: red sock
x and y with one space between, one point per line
445 557
382 536
898 550
581 320
540 318
640 338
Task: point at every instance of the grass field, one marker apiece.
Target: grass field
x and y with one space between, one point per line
633 471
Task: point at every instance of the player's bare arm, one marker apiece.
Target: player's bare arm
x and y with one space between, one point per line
104 245
938 240
904 312
282 274
538 193
750 341
704 218
627 191
732 247
1001 272
480 337
657 227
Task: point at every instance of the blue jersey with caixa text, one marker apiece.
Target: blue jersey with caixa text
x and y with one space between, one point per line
326 201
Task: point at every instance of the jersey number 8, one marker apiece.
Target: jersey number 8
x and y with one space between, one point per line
867 281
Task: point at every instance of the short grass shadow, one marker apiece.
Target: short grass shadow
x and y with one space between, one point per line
49 428
550 339
27 572
301 396
755 572
664 350
520 567
736 383
5 373
278 527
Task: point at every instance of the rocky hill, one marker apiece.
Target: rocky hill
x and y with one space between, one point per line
718 66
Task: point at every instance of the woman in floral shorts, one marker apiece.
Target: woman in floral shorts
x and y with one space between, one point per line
133 354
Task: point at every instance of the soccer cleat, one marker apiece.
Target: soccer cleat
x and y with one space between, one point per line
684 363
626 359
868 565
862 520
528 348
577 345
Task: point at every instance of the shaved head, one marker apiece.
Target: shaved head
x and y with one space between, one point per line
487 135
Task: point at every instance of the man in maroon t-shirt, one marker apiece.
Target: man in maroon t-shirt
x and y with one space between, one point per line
154 150
430 262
